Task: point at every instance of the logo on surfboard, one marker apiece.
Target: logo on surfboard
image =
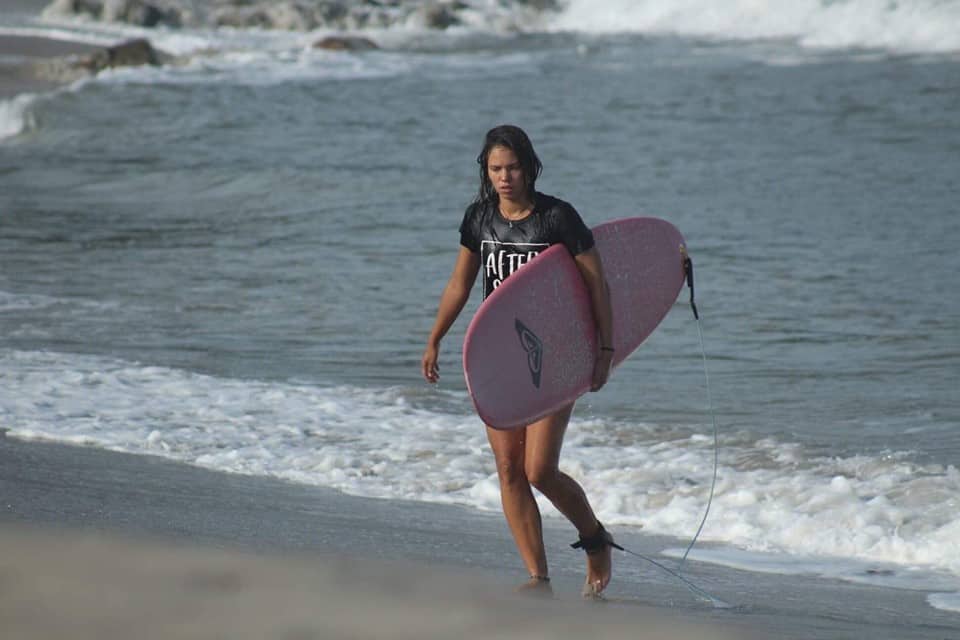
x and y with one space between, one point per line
534 348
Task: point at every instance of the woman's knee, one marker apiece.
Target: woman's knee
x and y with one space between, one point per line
511 472
542 476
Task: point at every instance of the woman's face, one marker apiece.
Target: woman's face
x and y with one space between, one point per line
505 173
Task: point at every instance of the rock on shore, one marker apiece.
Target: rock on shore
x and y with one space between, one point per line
293 15
345 43
133 53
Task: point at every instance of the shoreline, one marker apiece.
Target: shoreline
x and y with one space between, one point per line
181 552
19 56
31 63
127 510
173 591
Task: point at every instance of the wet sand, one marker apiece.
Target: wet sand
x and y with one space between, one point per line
106 545
98 543
84 586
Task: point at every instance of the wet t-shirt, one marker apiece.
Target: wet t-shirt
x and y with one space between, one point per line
505 246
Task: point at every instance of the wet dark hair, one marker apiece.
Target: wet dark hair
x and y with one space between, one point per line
515 139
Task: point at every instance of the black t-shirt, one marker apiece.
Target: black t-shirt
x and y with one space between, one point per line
505 246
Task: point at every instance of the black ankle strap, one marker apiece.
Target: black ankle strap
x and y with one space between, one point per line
597 542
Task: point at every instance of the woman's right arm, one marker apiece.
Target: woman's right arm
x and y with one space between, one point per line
454 296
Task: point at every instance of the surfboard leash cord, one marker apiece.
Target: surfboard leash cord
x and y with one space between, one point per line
716 602
688 271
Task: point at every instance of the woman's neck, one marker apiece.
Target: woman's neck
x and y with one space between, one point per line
516 208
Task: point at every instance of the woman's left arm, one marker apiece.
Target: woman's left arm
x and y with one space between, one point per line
591 269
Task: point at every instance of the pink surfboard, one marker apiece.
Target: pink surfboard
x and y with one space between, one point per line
530 348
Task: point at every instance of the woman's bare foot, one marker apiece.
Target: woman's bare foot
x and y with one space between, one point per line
536 586
599 571
599 561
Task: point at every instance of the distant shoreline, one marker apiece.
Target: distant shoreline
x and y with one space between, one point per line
17 75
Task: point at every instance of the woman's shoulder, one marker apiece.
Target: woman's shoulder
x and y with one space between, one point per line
476 216
477 209
553 207
563 222
547 201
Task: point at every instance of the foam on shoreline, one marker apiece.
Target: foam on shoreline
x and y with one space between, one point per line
771 496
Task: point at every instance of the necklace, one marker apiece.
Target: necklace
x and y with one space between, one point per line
520 216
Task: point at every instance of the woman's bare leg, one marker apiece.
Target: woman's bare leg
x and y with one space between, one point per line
544 440
519 505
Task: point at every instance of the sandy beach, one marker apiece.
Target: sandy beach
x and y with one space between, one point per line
99 543
86 586
105 545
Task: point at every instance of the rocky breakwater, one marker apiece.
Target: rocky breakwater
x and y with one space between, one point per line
298 15
340 17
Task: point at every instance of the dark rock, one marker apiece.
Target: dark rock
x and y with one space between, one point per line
140 13
540 5
345 43
133 53
439 16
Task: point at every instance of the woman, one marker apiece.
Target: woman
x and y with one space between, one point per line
507 224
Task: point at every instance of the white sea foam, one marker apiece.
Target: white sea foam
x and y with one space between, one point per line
177 42
16 115
235 56
67 33
910 26
396 443
13 302
264 57
283 63
945 601
21 302
264 68
882 574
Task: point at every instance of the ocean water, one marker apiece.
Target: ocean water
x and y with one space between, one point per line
235 261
